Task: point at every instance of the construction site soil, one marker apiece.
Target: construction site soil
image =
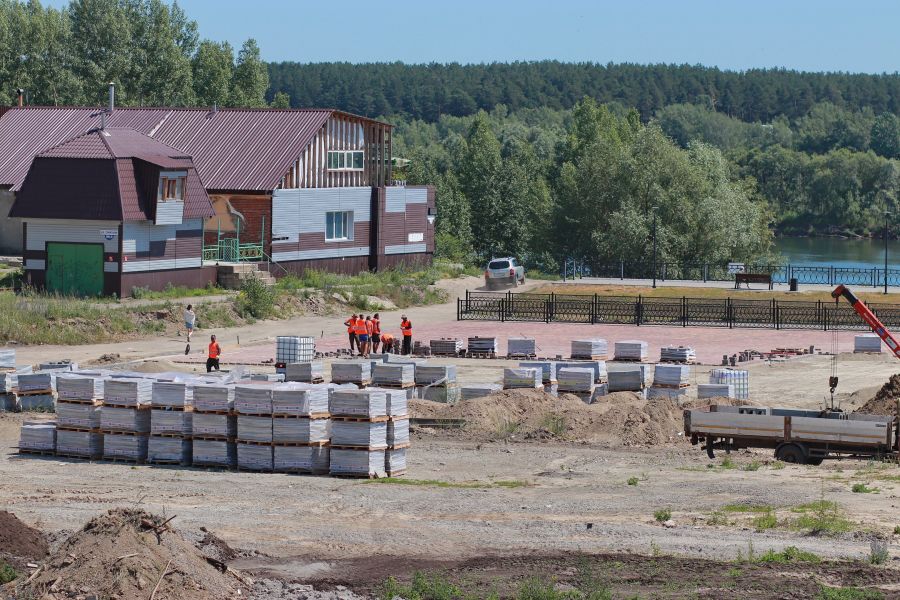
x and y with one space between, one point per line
885 400
19 543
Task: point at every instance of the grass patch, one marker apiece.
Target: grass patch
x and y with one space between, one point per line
7 573
821 517
861 488
431 586
747 508
662 515
752 466
878 552
555 424
509 484
633 481
848 593
174 291
788 555
767 520
717 517
727 463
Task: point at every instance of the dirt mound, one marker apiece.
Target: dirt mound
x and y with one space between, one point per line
123 555
885 401
19 543
618 419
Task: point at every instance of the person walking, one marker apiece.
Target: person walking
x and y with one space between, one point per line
375 338
213 353
190 317
350 324
406 329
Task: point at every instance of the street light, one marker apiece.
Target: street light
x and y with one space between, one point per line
887 215
654 247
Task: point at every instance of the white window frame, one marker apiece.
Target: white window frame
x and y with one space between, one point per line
346 221
343 159
180 179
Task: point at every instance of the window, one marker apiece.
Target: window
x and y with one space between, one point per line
345 160
339 226
171 186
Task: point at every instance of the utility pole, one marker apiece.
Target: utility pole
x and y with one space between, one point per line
654 249
887 215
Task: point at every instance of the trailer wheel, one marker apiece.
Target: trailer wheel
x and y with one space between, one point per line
815 460
791 453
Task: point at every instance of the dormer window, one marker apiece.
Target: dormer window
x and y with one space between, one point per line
171 186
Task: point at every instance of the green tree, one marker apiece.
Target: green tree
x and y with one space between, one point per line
251 78
886 135
101 44
480 168
213 70
281 100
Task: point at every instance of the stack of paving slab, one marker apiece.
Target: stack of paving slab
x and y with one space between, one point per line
522 378
59 365
9 378
294 349
306 372
523 347
80 386
301 428
397 435
673 376
548 369
715 390
82 444
437 383
627 378
125 417
482 345
351 371
214 426
868 342
38 436
171 423
631 350
738 378
580 381
35 391
593 349
394 375
78 414
677 354
445 347
129 447
478 390
128 391
598 366
358 433
253 405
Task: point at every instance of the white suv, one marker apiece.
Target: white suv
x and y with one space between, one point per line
503 271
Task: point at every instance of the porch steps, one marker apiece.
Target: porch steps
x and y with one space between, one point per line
232 276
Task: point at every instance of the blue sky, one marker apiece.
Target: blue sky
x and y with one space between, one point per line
800 34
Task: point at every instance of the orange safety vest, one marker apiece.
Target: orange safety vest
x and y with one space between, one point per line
376 326
361 327
351 325
387 339
370 327
406 326
214 350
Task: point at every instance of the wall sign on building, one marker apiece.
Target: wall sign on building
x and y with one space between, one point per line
109 234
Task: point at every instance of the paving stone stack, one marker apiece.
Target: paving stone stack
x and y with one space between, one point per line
79 443
305 372
598 366
398 375
437 383
867 343
630 350
672 376
38 437
715 390
78 414
521 347
548 369
482 346
253 406
58 365
445 347
627 378
478 390
397 441
593 349
171 423
576 380
737 378
359 433
36 391
214 426
678 354
125 417
351 371
522 378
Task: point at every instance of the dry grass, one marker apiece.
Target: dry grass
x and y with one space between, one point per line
863 293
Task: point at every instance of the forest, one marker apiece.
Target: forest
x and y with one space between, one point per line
539 159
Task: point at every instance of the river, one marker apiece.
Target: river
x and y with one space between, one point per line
838 252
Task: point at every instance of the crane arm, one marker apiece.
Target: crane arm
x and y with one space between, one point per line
868 316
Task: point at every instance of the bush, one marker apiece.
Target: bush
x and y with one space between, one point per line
255 300
752 466
788 555
727 463
7 573
878 552
633 481
139 292
822 517
662 515
861 488
555 424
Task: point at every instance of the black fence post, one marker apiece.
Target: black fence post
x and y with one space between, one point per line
639 312
684 312
705 272
825 318
622 270
830 275
729 313
775 313
594 310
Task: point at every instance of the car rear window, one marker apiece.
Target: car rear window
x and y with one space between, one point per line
498 264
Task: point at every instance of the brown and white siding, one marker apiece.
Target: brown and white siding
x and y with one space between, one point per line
38 232
149 247
405 232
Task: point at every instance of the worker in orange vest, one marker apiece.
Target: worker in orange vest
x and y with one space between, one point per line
212 357
375 338
362 336
406 329
350 324
387 342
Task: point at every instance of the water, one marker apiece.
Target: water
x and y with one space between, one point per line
837 252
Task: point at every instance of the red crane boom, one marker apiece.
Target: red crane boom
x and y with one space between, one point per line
868 316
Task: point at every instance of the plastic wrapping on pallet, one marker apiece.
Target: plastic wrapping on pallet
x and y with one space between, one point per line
671 375
79 443
128 392
204 424
79 387
214 453
518 377
171 393
394 374
299 399
300 430
478 390
124 419
395 460
599 367
684 354
9 403
715 390
307 459
213 397
81 416
548 368
482 345
10 379
255 457
254 429
738 378
171 421
594 348
294 349
397 432
358 403
428 374
130 447
399 359
169 449
253 399
521 346
361 463
39 436
575 380
396 402
627 379
666 392
448 394
37 402
868 342
351 371
630 350
307 371
359 433
7 358
58 365
39 380
267 377
445 346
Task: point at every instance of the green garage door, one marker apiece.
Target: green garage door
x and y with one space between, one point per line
75 269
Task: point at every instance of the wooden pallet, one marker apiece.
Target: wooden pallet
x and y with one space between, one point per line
93 402
248 414
481 355
37 452
378 419
520 387
227 413
629 360
124 459
300 471
355 475
317 444
187 408
241 469
396 418
124 432
79 429
211 465
78 456
366 448
690 361
361 383
402 446
107 404
396 386
165 462
592 357
45 392
252 442
211 437
671 386
312 416
396 473
171 435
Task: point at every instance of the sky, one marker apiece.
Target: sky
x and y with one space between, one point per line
809 35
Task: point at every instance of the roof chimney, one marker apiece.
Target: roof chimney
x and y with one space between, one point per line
112 97
20 95
102 120
215 107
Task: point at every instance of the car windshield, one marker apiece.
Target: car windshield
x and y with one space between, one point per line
498 264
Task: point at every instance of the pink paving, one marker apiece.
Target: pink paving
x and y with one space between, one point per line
710 343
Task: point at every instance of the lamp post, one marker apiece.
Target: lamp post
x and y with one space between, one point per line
887 215
654 247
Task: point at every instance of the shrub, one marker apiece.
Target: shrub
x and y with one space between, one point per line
878 552
752 466
7 573
727 463
767 520
633 481
789 554
555 424
256 299
861 488
896 529
717 518
662 515
140 292
822 516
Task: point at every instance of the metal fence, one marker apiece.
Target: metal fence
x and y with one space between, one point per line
679 312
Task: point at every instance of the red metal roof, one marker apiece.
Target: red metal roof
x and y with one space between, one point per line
232 149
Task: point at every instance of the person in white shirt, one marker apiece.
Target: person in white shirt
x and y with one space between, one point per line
190 317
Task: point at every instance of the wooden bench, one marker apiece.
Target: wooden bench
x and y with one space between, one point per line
748 278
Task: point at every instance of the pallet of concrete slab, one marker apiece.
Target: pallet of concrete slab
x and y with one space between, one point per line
351 371
125 446
478 390
395 462
170 450
253 400
254 428
630 351
590 349
79 443
579 380
598 366
446 394
678 354
548 369
867 343
128 391
37 382
125 419
58 365
255 457
360 463
715 390
80 386
212 398
445 347
522 378
176 395
671 376
627 378
295 430
219 426
398 432
7 358
593 396
482 347
367 404
354 433
171 421
306 372
431 374
37 437
84 414
395 375
307 459
37 401
9 378
521 347
300 399
214 453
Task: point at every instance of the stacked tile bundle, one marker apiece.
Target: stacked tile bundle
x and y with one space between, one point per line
521 347
522 378
670 381
594 349
306 372
359 433
395 375
268 377
678 354
445 347
171 423
253 405
214 426
598 366
579 381
478 390
482 346
351 371
294 349
38 437
866 343
301 428
627 378
7 358
437 383
548 369
78 415
8 379
397 434
36 391
739 379
79 443
125 418
715 390
59 365
630 350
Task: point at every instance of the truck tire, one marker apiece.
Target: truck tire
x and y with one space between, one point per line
791 453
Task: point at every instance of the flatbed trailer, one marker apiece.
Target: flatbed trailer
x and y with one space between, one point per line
796 435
